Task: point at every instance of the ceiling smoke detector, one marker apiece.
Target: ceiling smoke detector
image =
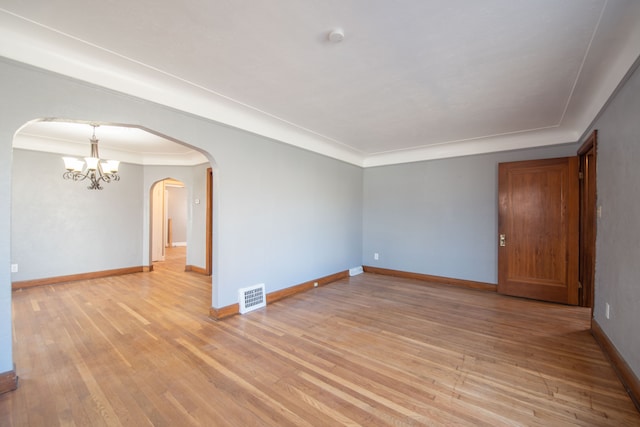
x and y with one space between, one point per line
336 35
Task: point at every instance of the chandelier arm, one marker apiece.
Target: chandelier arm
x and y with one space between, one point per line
75 176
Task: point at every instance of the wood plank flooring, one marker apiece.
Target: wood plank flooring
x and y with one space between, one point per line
370 350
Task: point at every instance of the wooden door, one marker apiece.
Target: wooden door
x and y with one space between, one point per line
538 229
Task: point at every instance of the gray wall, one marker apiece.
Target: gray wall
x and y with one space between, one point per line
196 224
59 227
618 233
439 217
282 215
6 159
177 212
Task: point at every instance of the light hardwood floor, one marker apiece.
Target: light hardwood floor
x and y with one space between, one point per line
371 350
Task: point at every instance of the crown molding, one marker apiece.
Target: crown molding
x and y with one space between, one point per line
45 48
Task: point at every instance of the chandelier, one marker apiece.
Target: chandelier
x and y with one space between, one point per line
95 170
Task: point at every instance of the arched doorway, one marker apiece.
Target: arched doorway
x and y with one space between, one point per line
169 216
111 216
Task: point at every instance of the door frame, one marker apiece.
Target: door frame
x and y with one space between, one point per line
588 219
157 223
209 225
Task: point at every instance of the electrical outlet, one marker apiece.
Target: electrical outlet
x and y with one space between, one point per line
14 268
607 310
376 256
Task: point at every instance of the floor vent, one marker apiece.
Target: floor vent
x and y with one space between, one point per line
251 298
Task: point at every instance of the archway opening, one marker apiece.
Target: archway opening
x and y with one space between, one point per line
169 216
108 221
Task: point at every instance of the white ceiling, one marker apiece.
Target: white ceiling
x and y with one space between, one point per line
412 79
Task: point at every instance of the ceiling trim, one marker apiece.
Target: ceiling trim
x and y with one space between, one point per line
25 141
43 47
538 138
93 64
